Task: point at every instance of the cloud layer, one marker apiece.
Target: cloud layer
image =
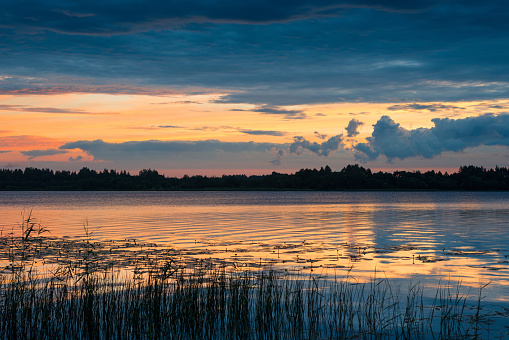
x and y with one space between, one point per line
352 128
321 149
81 17
267 53
429 107
25 108
197 151
141 150
39 153
262 132
393 141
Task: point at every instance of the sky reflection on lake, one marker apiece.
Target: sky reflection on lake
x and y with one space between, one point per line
425 236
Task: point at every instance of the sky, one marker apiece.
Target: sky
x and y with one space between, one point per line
250 87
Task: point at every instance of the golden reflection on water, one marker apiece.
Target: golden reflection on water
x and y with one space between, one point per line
400 238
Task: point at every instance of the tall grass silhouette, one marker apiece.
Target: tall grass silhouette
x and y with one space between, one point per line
86 296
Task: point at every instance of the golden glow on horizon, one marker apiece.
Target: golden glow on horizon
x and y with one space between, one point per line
48 121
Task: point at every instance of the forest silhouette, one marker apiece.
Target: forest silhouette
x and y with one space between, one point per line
351 177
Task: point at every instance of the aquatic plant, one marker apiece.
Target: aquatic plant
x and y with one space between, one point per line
87 296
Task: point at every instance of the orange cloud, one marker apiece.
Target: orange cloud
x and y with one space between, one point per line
24 108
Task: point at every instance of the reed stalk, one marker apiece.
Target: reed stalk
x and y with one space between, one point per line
166 299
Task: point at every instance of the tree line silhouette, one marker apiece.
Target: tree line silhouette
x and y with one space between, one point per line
351 177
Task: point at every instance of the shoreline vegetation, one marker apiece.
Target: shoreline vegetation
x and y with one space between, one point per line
351 177
86 295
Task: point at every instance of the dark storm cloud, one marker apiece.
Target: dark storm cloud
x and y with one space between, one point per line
352 128
429 107
393 141
272 53
111 17
39 153
321 149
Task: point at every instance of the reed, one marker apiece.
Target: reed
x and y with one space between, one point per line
81 298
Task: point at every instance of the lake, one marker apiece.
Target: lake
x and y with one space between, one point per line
428 237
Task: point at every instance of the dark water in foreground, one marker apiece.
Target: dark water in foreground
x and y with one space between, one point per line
419 236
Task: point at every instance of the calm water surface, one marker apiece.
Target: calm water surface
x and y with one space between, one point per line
426 236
